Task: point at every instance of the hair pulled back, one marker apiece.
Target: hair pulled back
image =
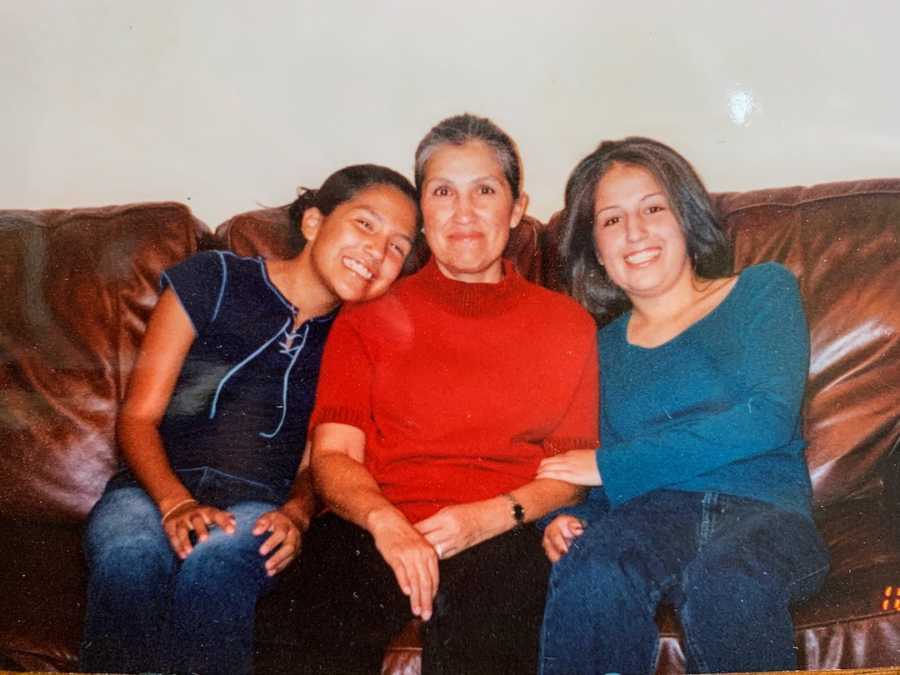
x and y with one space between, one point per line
462 129
342 186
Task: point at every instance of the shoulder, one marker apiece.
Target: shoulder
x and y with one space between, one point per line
380 315
561 320
767 298
560 306
240 264
614 331
768 272
768 279
221 262
370 309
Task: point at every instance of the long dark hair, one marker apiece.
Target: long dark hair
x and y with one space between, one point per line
342 186
707 245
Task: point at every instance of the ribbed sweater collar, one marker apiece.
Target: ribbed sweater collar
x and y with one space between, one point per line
472 299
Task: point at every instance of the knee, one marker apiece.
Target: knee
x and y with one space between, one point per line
120 547
223 554
139 568
121 517
731 587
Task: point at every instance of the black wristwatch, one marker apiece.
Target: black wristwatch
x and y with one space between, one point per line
518 511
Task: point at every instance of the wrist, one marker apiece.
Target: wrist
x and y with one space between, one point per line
183 505
298 512
515 510
380 517
171 502
496 517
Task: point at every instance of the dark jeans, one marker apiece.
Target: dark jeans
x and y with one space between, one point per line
486 617
729 565
149 611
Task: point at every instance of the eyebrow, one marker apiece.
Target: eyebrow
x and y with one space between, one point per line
642 199
375 216
477 179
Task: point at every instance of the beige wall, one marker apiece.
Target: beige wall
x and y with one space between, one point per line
226 105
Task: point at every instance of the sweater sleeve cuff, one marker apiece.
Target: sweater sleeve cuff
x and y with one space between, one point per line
591 509
556 445
619 476
339 415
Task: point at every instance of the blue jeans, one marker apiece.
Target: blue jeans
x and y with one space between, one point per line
730 566
149 611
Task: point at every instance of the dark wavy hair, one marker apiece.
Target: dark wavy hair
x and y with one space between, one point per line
342 186
461 129
587 280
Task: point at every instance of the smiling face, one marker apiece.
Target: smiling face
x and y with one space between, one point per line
637 235
468 209
358 250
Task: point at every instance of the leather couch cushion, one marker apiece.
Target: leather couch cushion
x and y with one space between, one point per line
842 241
78 287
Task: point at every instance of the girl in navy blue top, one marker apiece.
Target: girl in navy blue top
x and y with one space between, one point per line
701 493
215 498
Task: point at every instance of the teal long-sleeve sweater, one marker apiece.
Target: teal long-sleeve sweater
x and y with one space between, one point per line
718 407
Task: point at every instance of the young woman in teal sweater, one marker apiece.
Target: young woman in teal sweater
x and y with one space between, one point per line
701 494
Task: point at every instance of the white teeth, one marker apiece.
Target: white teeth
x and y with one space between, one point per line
357 267
641 257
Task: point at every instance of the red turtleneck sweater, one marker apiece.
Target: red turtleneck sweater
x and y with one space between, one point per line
460 388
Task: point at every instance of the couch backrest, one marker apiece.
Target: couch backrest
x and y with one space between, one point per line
78 286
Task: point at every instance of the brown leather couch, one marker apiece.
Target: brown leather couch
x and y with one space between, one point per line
78 286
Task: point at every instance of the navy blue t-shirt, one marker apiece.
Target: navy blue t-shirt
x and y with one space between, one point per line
245 393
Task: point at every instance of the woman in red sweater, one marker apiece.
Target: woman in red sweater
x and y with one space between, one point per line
435 406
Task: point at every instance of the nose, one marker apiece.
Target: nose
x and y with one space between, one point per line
634 228
463 208
376 247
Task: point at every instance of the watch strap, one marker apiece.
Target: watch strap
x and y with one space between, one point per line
518 511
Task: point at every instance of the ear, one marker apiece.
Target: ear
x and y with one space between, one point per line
311 223
518 211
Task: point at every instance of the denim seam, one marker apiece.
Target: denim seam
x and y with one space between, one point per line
231 476
692 648
707 518
791 584
656 596
203 480
552 585
212 476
